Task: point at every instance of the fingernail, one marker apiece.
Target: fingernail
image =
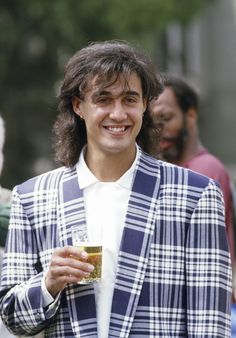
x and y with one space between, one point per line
90 267
84 255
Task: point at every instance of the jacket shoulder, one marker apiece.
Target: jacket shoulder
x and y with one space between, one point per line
48 180
172 174
178 175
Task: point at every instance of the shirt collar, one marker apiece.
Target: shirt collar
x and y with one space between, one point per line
87 178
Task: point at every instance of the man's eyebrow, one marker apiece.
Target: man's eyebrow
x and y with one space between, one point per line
132 93
100 93
106 92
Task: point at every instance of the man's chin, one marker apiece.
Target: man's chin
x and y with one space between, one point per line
169 156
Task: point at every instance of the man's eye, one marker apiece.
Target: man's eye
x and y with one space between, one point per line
130 99
166 118
103 100
163 118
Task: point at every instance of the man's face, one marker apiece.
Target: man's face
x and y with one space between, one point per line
167 112
113 115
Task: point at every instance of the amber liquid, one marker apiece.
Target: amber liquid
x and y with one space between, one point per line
94 258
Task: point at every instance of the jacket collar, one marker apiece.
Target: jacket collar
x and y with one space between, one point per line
135 246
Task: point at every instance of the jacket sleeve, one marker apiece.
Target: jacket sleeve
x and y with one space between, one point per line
20 293
208 268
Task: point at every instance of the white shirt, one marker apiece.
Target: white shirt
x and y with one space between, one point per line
105 207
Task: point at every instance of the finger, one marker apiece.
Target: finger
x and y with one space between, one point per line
72 262
79 255
70 251
69 266
64 275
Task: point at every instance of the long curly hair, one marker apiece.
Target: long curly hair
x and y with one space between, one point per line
105 62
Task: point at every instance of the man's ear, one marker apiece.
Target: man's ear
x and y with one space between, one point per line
76 104
191 115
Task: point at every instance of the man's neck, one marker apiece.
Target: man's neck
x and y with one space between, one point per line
109 167
192 149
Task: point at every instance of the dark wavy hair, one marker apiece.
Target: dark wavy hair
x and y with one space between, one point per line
186 95
105 62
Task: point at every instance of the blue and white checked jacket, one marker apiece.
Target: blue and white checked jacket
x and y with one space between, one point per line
173 275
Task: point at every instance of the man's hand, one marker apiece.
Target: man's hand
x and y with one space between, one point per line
68 265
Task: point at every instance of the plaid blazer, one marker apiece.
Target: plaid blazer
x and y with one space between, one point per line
173 276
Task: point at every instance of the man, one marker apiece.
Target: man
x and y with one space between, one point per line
177 110
166 266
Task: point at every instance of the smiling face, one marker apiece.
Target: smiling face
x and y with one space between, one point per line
112 115
166 111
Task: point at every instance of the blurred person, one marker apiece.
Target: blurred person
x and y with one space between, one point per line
162 274
5 194
5 202
177 110
5 206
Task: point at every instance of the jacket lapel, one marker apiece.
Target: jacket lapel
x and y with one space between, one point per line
135 246
81 299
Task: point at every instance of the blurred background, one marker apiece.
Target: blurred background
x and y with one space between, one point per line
196 38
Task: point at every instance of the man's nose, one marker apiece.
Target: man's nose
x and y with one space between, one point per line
118 111
159 122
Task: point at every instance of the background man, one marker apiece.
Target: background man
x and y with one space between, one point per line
161 274
176 110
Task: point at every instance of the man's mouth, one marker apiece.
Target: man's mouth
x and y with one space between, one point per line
116 129
166 143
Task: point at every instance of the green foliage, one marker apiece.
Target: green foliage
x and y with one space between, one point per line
37 38
138 16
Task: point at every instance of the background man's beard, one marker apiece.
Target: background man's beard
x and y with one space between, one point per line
175 154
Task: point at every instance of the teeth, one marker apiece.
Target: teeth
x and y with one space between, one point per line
116 129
